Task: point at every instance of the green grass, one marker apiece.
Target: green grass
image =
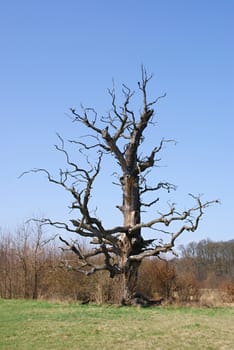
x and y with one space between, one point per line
47 325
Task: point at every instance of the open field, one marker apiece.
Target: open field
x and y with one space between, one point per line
47 325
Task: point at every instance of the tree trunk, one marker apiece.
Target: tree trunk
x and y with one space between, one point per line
131 243
130 282
35 287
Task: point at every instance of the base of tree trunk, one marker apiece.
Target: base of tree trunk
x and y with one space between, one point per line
139 299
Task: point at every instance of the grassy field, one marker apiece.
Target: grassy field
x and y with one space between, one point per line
47 325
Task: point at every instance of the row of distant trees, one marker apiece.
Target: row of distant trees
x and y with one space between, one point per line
30 267
210 262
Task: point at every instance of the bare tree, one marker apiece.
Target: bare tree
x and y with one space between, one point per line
120 134
31 242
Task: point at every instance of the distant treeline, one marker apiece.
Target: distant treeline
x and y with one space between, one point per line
30 267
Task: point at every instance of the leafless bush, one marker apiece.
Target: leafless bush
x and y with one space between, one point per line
227 288
186 289
157 278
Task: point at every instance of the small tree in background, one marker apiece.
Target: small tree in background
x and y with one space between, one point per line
120 135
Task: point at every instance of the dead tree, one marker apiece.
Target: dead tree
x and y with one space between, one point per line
120 134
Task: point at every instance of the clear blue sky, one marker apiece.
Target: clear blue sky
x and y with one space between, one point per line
56 54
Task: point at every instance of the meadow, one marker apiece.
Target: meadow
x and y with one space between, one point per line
58 326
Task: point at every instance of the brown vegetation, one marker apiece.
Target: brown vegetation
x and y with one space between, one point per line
30 268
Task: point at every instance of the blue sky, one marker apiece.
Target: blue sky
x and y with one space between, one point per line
58 54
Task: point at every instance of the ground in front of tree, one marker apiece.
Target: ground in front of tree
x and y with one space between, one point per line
46 325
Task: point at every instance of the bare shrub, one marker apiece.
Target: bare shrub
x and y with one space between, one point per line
157 279
186 289
227 288
211 298
106 290
230 290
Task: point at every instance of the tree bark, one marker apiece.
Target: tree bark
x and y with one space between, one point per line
131 243
130 282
